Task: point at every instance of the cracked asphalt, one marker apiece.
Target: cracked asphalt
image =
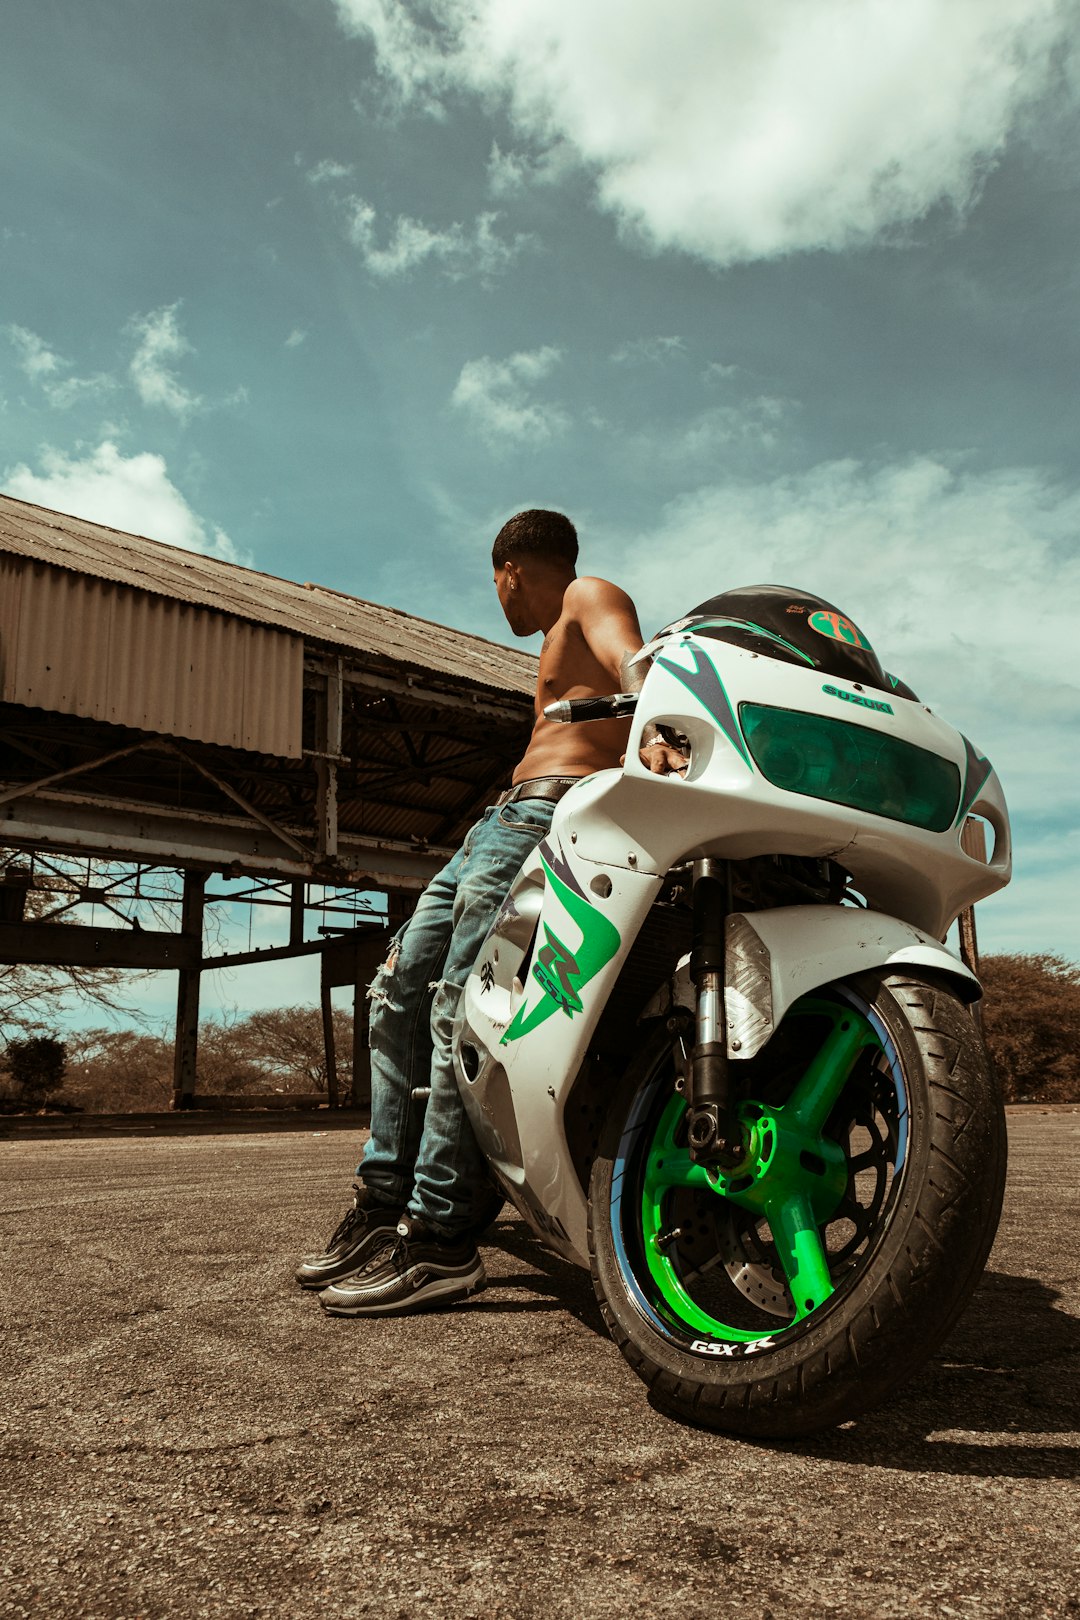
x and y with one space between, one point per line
184 1433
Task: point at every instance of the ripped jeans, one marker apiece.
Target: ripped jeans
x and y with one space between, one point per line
427 1156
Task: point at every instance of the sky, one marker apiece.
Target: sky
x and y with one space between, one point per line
774 291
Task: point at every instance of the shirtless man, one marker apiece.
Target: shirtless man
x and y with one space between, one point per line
423 1195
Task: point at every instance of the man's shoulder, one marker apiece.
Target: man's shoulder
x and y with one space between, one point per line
588 595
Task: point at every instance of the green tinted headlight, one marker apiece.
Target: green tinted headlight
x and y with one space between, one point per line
851 765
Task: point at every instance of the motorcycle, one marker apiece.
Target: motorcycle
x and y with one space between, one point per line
714 1047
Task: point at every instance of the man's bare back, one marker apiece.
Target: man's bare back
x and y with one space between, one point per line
591 634
582 656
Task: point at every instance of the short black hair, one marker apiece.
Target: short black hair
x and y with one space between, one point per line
536 533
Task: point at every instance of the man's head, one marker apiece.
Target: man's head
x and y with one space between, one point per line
533 557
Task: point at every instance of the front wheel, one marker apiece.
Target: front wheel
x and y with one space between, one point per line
796 1289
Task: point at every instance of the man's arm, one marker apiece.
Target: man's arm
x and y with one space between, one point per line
661 757
608 621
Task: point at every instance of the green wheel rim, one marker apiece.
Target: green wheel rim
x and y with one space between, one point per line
793 1180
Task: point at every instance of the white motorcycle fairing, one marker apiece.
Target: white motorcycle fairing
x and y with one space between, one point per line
557 947
774 957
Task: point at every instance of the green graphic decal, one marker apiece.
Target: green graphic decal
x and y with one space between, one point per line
837 628
562 973
758 629
555 967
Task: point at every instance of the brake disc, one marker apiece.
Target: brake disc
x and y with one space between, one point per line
746 1261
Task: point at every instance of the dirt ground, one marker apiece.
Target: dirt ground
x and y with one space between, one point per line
184 1434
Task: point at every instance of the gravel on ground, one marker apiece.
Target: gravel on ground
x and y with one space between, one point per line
185 1434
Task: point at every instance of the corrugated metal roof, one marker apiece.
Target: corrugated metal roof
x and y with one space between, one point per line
317 613
86 646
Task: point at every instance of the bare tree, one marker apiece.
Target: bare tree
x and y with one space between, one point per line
118 1071
126 1070
226 1065
31 995
287 1045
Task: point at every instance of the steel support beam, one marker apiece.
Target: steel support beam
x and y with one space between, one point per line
515 706
351 962
297 890
117 830
15 884
185 1057
74 945
326 948
328 1044
238 799
361 1052
17 792
466 762
25 748
326 762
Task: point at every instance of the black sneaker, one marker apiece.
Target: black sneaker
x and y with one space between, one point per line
366 1229
420 1270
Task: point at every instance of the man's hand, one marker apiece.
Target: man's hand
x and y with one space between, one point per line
661 757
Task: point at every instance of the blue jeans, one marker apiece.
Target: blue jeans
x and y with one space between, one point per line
428 1158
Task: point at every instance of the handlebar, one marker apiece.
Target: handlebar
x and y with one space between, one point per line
570 710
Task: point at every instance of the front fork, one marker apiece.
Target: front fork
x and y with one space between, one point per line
714 1133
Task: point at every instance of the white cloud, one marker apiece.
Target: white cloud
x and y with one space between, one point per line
649 351
748 130
161 342
716 373
395 246
42 366
495 395
328 171
72 390
1040 911
36 360
408 243
691 444
754 422
509 173
133 493
297 336
967 583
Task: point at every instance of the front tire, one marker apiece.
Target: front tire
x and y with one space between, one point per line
798 1290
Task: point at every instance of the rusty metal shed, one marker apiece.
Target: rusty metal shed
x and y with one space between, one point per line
315 612
161 706
338 727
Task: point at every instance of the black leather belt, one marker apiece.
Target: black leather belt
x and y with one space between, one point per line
538 787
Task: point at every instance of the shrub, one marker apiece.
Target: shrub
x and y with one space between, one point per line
1031 1021
119 1071
36 1066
